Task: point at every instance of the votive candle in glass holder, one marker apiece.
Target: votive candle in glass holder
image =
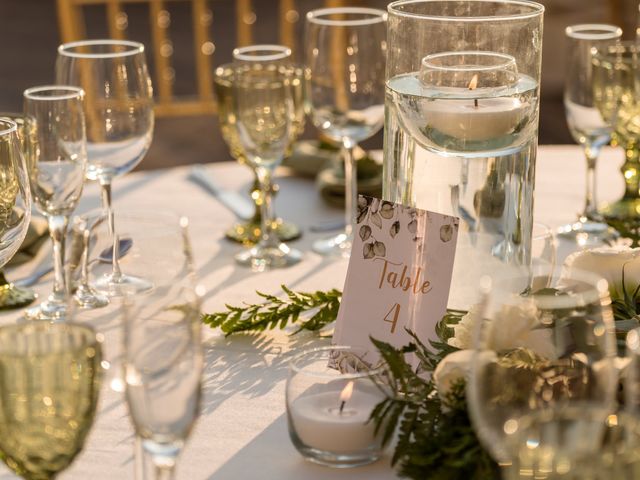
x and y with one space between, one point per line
331 393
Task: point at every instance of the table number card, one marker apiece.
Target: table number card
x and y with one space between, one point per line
399 275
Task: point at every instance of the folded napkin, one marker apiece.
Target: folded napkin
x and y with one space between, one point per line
37 235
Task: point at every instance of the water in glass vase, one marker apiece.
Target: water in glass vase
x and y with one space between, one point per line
470 154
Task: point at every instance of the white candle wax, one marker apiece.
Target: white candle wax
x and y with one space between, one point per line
319 424
462 119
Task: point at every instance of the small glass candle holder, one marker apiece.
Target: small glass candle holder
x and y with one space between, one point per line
331 393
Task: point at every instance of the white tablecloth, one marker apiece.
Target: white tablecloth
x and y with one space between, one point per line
242 433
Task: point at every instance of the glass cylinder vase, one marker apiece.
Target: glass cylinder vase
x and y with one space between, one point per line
462 103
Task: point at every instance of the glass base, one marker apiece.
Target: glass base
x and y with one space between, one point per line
121 286
89 298
261 258
12 297
337 246
249 233
50 310
337 460
588 232
625 209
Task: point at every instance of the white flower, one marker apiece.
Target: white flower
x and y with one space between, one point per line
455 367
464 330
452 368
607 262
511 327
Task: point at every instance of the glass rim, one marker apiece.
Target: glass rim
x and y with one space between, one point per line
376 16
509 61
67 49
537 9
241 53
608 32
93 338
11 126
36 93
315 350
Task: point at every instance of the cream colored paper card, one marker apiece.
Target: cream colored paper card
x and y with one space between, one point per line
399 275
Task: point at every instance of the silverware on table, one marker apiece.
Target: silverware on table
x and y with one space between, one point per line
241 206
328 226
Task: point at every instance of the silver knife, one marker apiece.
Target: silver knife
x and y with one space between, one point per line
241 206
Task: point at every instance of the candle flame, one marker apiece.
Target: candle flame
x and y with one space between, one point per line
346 392
473 84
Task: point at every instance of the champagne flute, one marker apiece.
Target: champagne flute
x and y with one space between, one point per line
345 55
50 386
586 124
249 232
163 355
262 104
542 349
119 115
57 158
12 296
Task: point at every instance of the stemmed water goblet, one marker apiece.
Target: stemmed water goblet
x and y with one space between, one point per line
249 232
263 109
163 355
50 387
120 119
57 159
15 194
587 125
11 295
544 350
345 51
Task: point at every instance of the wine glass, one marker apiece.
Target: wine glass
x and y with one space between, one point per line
262 104
163 355
586 124
15 195
119 116
50 386
616 70
12 296
541 353
57 159
345 55
249 232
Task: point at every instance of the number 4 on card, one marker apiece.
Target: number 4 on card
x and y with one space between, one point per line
395 313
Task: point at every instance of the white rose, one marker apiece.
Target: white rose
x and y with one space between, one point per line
607 262
464 330
452 368
455 367
512 326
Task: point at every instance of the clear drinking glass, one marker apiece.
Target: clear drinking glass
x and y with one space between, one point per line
12 296
57 159
263 107
586 124
466 147
163 354
50 387
119 116
331 393
542 349
345 51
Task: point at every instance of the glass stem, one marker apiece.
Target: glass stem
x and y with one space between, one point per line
116 273
84 270
3 279
590 207
351 185
266 208
164 472
58 231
